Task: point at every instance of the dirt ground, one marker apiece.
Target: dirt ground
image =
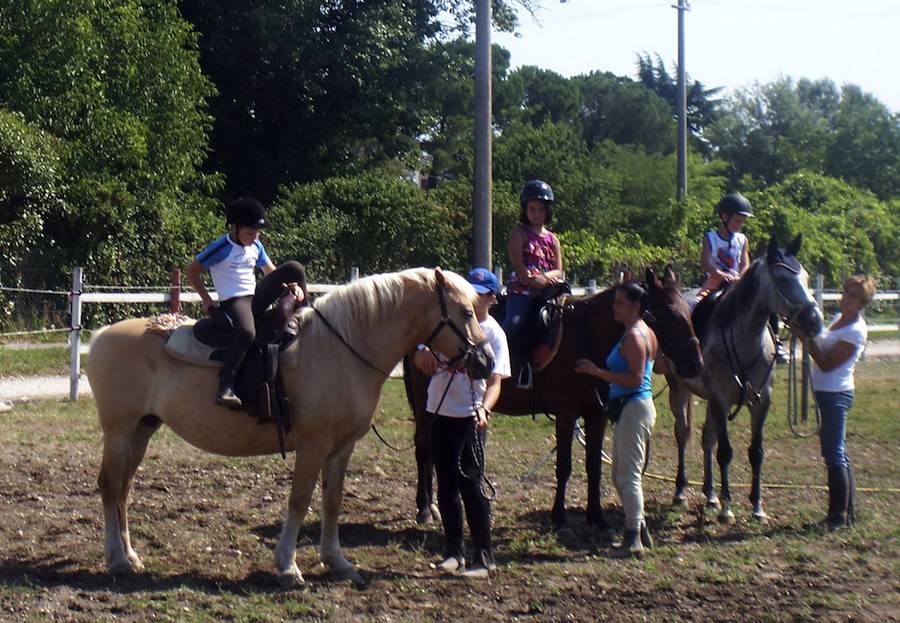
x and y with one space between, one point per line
206 528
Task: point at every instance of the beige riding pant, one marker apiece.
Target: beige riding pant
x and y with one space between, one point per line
630 438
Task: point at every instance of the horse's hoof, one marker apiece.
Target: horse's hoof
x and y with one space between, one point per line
713 504
726 517
435 513
424 516
122 568
352 575
292 578
760 516
680 499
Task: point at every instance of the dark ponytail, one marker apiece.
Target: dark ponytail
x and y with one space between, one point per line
635 293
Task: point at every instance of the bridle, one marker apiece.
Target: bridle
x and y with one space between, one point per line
468 349
790 321
740 371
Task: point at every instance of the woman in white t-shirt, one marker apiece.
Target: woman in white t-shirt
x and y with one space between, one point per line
834 355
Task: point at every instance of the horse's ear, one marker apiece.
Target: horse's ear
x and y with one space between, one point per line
439 276
670 275
650 276
772 251
794 247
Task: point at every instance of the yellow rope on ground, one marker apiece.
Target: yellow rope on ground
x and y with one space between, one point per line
769 485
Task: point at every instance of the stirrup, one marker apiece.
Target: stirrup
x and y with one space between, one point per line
526 377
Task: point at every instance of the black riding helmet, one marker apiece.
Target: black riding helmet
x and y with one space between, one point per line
246 212
536 189
735 203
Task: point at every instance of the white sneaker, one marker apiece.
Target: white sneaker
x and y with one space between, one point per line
451 564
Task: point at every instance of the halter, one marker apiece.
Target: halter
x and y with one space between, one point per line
469 347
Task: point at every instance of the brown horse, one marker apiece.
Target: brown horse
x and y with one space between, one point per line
589 330
333 375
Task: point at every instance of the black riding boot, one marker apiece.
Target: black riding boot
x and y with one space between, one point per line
838 497
851 495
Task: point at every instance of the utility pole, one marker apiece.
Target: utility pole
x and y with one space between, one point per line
681 179
481 201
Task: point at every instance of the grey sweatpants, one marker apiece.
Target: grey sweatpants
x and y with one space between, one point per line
630 438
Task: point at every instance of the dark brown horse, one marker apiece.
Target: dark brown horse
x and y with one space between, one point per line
589 330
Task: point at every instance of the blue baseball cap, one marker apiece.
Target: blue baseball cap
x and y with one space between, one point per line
484 281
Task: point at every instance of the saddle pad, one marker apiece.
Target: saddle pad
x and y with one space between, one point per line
182 345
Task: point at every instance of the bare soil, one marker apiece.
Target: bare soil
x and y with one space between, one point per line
206 527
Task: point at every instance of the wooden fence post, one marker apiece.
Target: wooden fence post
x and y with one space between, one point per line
175 291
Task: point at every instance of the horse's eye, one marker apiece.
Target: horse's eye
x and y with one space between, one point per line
469 314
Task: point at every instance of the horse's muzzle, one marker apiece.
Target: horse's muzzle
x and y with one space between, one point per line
480 361
809 320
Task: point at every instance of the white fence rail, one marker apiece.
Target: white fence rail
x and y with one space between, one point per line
178 294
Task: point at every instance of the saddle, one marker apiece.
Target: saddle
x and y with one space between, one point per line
703 310
538 341
258 383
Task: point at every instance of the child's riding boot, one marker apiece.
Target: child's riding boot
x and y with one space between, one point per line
225 396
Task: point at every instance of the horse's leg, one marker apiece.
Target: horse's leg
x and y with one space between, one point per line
758 420
710 438
122 454
307 463
594 426
332 494
565 429
424 471
680 404
724 455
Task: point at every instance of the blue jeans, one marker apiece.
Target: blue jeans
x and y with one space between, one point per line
517 308
834 407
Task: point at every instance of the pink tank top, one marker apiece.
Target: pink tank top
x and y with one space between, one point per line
538 254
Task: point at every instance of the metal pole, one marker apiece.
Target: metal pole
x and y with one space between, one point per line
682 106
354 273
481 201
75 334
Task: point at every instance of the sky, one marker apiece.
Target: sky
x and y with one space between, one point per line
728 43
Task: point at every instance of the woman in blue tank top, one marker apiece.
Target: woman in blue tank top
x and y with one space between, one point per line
627 371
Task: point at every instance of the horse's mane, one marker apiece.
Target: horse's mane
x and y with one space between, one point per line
740 296
368 299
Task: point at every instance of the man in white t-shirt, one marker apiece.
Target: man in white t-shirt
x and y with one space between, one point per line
460 410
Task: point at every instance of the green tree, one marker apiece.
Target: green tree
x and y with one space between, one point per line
118 88
865 150
618 109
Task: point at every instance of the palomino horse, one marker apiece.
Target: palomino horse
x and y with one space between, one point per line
345 349
739 358
589 330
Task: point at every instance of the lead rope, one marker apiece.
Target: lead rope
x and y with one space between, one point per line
799 416
473 449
